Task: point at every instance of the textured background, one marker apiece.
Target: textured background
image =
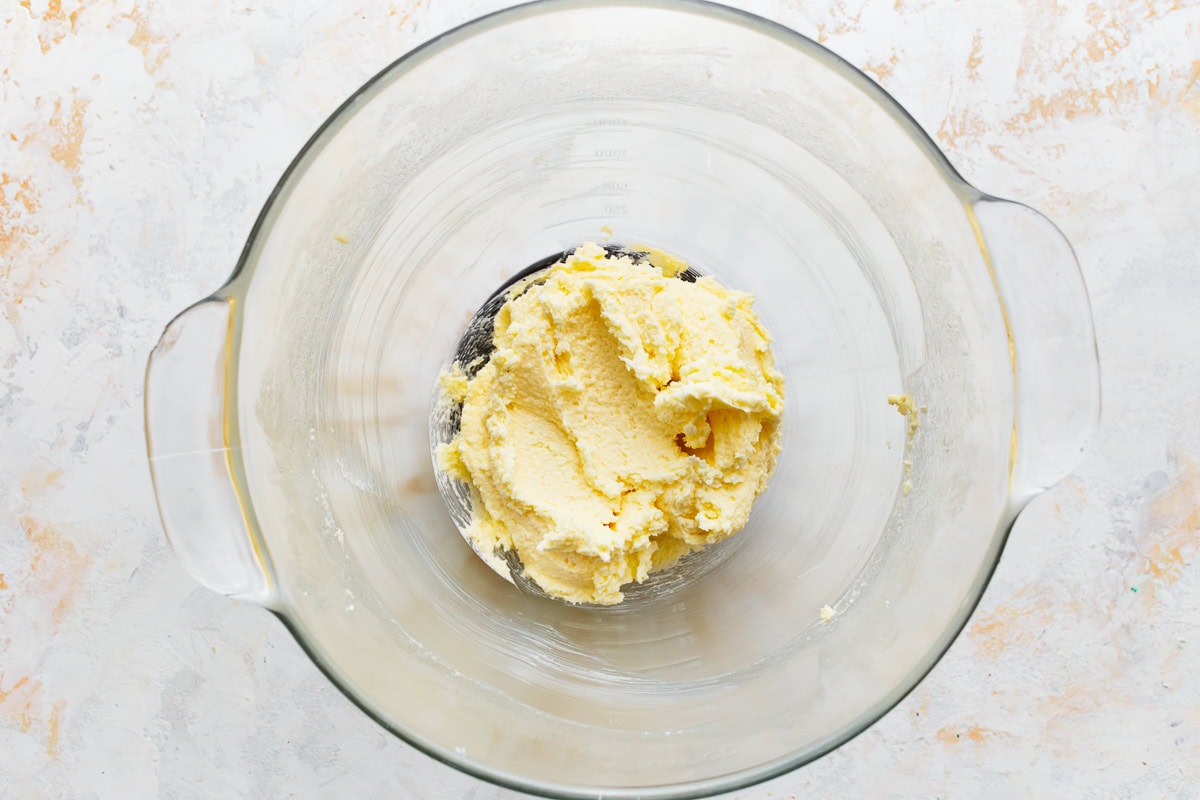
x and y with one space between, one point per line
137 143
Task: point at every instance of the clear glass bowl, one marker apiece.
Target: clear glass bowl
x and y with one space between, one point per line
288 414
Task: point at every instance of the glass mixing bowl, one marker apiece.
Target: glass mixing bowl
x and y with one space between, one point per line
288 414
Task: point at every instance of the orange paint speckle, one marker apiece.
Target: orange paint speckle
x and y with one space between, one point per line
840 21
1064 714
57 568
1073 103
1171 535
1109 34
23 708
1192 80
976 56
70 128
55 25
17 702
16 206
3 585
52 729
956 127
1153 10
408 14
37 482
53 11
24 679
1103 45
882 70
154 48
26 196
1189 97
975 733
998 630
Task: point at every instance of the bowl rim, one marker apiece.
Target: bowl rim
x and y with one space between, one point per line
238 282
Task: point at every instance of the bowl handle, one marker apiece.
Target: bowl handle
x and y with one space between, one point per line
1052 341
188 443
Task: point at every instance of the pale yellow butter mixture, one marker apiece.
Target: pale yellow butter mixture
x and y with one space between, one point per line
626 418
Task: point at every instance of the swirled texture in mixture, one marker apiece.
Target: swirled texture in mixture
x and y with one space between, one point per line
625 418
